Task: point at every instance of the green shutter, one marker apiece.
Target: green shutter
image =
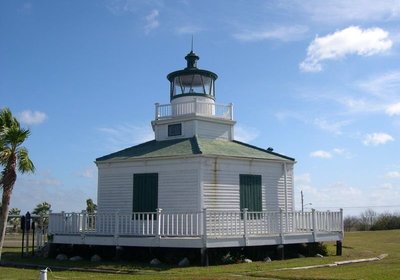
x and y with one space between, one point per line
250 192
145 192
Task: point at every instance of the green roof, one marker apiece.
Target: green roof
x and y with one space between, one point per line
193 146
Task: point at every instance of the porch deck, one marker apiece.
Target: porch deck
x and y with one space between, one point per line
205 229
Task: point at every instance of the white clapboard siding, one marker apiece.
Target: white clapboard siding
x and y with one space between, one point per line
114 191
161 130
115 187
198 126
221 183
213 130
178 195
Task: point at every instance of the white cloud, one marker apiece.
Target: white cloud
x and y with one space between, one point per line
282 33
351 40
393 109
339 151
151 21
321 154
384 85
245 134
126 135
29 117
393 174
89 172
344 10
302 179
360 105
353 199
332 127
330 154
375 139
120 7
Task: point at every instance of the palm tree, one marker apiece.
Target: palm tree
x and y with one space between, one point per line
91 207
15 221
42 210
13 156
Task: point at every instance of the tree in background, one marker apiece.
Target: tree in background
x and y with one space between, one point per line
42 210
91 208
13 156
367 219
15 221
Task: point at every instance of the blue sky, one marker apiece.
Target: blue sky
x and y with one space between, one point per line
316 80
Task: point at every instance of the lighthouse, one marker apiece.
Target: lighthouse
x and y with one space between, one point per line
194 186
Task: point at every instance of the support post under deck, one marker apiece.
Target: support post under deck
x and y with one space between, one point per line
338 247
204 256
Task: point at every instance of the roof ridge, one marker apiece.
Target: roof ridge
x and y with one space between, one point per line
120 151
263 150
195 145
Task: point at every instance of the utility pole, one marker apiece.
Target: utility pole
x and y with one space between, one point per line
302 202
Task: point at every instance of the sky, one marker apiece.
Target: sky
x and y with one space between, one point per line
316 80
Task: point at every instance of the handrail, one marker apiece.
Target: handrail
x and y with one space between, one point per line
196 224
195 107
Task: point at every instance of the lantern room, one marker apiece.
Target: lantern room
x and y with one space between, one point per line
192 81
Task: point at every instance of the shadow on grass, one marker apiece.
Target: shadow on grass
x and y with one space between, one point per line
14 259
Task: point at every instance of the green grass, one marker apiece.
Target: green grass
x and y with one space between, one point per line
356 245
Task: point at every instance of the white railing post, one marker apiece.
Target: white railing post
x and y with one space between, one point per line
341 222
157 113
74 223
159 210
281 228
83 224
63 225
195 107
230 106
205 227
116 225
314 224
245 226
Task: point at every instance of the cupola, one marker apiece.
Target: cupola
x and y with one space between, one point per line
192 81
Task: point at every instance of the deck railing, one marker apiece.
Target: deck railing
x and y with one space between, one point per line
196 224
195 107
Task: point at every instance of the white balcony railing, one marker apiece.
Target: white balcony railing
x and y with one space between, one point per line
209 224
195 107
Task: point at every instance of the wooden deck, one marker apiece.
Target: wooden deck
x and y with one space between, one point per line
205 229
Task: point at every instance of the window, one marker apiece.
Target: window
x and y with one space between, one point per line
175 129
145 192
250 192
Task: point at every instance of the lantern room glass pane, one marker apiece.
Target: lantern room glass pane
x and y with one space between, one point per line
192 84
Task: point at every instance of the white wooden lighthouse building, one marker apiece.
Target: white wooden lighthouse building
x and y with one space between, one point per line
194 185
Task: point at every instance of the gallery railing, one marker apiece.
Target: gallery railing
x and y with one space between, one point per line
195 107
205 224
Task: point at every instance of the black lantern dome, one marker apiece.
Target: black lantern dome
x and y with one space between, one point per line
192 81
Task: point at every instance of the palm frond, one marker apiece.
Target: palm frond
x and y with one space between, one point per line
15 136
7 120
24 162
5 155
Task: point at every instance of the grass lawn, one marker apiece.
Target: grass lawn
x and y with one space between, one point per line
356 245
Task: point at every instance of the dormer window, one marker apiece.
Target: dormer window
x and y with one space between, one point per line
175 129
